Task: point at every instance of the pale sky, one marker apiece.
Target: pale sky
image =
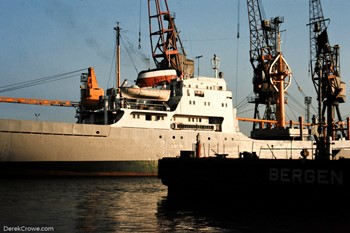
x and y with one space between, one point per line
40 38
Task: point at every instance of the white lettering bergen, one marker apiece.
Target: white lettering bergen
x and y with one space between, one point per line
273 174
307 176
296 175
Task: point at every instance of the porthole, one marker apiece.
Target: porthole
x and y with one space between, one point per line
160 136
97 132
209 138
173 137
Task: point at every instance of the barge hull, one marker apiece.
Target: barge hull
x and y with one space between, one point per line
257 182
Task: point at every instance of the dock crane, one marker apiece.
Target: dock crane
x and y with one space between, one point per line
272 75
325 74
166 45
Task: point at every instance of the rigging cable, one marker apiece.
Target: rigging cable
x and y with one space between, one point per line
112 66
243 100
140 27
237 54
302 92
139 54
132 61
40 81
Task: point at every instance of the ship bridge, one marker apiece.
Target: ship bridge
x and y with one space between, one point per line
205 104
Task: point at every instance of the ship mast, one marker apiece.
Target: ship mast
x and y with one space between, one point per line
117 68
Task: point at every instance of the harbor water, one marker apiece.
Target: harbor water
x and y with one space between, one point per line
137 205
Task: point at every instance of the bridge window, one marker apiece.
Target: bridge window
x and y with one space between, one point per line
150 117
199 93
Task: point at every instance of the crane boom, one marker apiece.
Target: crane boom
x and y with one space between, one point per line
272 74
325 74
167 48
44 102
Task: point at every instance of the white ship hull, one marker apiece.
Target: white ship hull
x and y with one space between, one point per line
128 151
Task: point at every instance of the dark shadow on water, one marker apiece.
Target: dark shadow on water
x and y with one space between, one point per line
217 216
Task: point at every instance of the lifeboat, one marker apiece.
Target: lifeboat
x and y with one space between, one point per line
135 92
151 78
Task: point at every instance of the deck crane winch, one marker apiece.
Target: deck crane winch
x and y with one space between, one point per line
166 45
272 74
325 74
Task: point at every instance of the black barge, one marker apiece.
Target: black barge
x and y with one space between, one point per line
252 181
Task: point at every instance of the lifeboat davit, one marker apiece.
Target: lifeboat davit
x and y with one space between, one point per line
151 78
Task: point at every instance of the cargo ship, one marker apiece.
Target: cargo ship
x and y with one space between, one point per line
129 135
125 130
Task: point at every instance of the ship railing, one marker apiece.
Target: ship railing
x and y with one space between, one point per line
308 152
167 108
146 106
181 126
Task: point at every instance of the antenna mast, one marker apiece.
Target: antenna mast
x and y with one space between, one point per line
117 68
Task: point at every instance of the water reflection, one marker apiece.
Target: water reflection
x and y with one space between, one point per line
140 205
118 205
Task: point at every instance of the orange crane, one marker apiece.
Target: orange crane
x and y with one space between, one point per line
167 48
91 95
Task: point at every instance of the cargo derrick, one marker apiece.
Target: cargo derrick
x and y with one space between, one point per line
325 74
91 98
272 74
93 103
167 49
90 93
43 102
